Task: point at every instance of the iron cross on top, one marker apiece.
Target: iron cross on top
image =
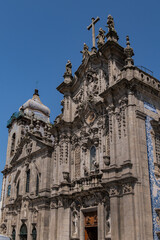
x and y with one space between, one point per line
92 25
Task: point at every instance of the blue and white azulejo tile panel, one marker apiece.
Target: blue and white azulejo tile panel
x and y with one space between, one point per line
150 107
154 183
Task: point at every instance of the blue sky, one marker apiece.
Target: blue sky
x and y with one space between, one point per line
37 37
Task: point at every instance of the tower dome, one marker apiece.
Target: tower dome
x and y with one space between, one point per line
35 106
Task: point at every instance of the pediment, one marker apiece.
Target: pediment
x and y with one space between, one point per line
28 145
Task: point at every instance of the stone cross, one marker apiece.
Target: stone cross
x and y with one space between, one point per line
92 25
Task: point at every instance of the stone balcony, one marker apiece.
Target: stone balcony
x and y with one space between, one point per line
133 72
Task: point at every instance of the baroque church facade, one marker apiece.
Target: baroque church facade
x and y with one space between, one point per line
93 174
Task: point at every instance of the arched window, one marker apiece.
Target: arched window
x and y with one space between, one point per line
27 180
18 188
14 234
13 143
34 234
37 185
9 190
92 158
23 232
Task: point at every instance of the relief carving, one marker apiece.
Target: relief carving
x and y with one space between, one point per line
127 188
77 161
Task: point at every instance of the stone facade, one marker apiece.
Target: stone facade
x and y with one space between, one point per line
94 173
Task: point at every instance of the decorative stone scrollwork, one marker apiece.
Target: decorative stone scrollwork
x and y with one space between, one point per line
78 98
54 204
3 228
77 161
110 114
127 188
28 147
114 191
90 200
118 117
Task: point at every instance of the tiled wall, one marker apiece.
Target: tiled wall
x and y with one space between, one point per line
154 183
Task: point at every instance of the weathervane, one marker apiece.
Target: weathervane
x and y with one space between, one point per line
92 25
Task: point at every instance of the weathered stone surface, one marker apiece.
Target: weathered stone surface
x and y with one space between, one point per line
91 166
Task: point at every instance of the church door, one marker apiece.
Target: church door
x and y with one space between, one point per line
23 232
91 226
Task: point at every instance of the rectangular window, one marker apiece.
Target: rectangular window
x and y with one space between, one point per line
157 146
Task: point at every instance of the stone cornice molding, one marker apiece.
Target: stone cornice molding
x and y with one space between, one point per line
140 114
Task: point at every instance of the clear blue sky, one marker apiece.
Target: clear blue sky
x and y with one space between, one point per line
37 37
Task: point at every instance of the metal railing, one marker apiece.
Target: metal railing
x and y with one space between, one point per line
146 70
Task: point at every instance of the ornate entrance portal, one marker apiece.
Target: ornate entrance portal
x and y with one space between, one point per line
91 225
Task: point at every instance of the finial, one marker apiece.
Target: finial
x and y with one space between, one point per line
112 34
36 92
85 51
101 38
129 53
68 73
127 41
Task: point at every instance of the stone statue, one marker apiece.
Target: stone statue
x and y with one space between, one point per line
68 68
75 223
101 38
85 51
110 23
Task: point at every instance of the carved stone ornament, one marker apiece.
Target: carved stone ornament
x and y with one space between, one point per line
127 188
66 176
114 191
107 222
89 200
3 228
85 51
101 38
68 68
78 98
91 116
110 23
29 146
75 224
54 204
